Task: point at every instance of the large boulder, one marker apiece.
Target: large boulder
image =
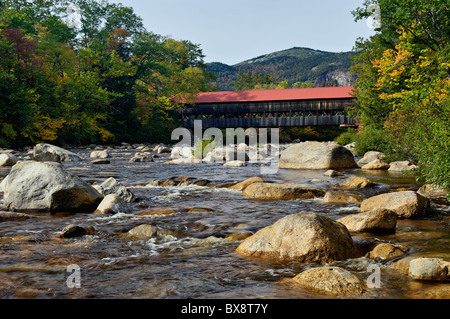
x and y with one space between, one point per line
406 204
44 186
283 191
332 280
51 153
317 155
303 237
378 221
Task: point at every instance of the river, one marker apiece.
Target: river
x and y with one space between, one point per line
195 260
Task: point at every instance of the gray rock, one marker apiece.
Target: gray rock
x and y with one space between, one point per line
317 155
99 154
8 159
37 186
112 186
401 166
51 153
109 204
370 157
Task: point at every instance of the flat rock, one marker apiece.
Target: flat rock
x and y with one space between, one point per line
338 197
354 182
283 191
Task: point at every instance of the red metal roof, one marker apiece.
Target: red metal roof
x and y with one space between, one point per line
275 95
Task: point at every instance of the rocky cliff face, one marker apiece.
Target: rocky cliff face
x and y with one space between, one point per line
341 77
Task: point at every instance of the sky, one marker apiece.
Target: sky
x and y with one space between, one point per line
232 31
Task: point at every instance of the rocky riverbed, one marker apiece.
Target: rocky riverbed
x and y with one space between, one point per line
149 221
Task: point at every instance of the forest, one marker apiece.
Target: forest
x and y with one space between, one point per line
84 71
403 85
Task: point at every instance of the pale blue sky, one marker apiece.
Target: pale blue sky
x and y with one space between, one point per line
231 31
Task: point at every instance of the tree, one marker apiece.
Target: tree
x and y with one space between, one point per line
106 79
404 82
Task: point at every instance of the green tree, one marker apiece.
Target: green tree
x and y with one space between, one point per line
403 85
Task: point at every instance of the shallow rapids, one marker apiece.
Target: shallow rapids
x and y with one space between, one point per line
194 258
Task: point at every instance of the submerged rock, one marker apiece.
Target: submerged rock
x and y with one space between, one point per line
333 173
406 204
338 197
10 216
354 182
304 237
244 184
73 231
146 231
35 187
317 155
284 191
387 250
235 164
333 280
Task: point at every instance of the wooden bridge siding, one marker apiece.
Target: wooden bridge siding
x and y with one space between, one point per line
335 120
320 112
255 107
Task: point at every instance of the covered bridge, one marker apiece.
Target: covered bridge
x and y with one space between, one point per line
271 108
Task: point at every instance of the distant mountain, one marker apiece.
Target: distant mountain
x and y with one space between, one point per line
294 65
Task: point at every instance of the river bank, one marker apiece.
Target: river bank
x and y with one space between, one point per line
198 222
